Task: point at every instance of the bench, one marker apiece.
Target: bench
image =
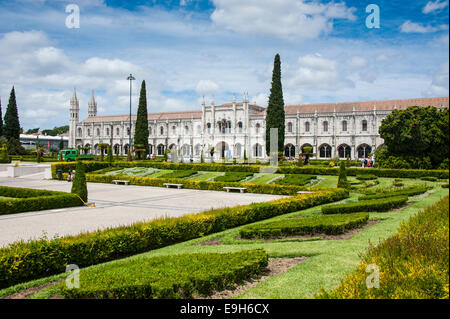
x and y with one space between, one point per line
119 182
304 192
176 185
241 189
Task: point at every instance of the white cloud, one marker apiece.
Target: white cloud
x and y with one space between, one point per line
292 19
357 62
319 73
412 27
206 87
432 6
440 82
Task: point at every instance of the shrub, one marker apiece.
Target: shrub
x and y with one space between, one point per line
179 174
366 177
169 276
24 261
19 200
402 192
233 177
109 156
375 205
414 263
429 178
342 180
322 224
79 186
295 179
4 158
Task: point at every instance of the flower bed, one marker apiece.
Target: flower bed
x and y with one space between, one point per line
322 224
170 276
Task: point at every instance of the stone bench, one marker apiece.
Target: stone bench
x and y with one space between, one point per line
175 185
119 182
240 189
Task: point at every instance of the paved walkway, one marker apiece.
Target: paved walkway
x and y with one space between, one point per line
115 205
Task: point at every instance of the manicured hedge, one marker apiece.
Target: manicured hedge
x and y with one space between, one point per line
367 177
21 200
311 170
413 264
273 189
295 179
429 178
233 177
375 205
170 276
405 192
179 174
322 224
24 261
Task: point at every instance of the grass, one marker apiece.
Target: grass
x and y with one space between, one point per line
328 260
206 176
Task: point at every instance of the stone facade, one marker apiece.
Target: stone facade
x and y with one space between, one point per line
332 129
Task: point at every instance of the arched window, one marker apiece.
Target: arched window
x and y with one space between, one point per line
107 131
307 127
98 132
208 126
344 126
238 148
240 127
325 151
344 151
258 126
161 131
197 149
89 132
116 149
289 150
117 131
80 132
364 150
186 129
257 150
289 127
160 149
364 125
150 131
325 126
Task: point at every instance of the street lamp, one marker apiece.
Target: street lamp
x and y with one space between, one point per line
131 79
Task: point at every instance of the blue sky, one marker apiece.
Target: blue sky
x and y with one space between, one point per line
187 48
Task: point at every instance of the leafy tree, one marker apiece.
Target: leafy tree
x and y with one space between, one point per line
1 119
11 128
417 136
275 116
342 181
79 185
141 132
15 147
32 130
102 147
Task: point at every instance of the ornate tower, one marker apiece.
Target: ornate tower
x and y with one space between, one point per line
92 110
74 118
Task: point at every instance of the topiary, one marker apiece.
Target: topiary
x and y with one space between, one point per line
342 181
109 156
79 185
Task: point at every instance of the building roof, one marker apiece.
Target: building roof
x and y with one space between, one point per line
384 105
186 115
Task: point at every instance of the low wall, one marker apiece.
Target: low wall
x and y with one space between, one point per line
24 170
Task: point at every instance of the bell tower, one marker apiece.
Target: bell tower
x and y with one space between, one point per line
92 110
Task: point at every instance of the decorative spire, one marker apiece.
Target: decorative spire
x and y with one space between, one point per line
92 106
74 96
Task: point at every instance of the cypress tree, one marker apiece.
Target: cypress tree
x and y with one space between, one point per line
141 132
11 129
1 119
342 181
275 116
79 185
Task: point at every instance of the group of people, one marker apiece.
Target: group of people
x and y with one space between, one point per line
71 176
368 162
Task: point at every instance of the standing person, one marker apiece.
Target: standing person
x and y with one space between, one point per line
373 160
365 162
73 176
69 176
362 162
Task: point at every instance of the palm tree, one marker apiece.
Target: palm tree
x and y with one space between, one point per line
102 147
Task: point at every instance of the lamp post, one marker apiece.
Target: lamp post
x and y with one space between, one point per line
131 79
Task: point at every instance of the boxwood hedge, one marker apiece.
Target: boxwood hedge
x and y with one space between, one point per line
402 192
24 261
19 200
169 276
322 224
375 205
311 170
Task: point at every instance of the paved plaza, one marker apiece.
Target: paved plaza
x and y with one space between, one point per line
114 206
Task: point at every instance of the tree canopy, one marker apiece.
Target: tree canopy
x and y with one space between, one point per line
417 134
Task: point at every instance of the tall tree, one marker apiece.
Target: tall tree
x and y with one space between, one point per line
11 129
275 116
141 132
1 119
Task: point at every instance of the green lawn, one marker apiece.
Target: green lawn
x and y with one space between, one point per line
328 260
206 176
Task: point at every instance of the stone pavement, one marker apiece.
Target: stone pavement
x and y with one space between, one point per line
115 205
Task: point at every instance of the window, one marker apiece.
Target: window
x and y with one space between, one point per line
289 127
325 151
208 126
344 151
89 132
364 125
107 131
307 127
257 150
186 129
364 151
80 132
98 132
344 126
258 126
325 126
240 127
128 132
199 129
174 130
117 131
150 131
161 131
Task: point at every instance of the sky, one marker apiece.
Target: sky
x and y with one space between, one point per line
186 49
